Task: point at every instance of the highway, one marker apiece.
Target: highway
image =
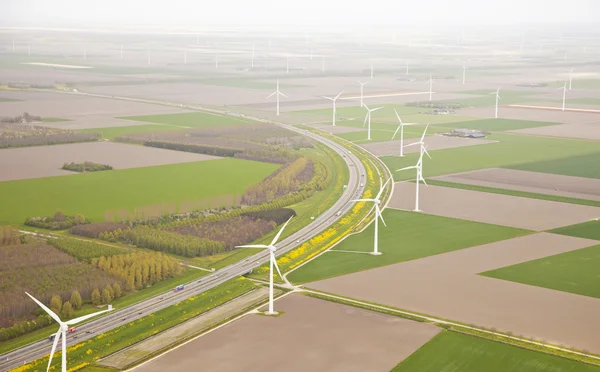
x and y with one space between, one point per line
119 317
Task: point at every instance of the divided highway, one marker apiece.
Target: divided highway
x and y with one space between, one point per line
119 317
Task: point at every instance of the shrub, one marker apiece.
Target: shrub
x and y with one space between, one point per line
57 222
86 166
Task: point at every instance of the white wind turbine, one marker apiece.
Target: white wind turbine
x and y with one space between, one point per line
497 93
273 262
371 70
564 88
430 81
464 73
418 167
361 92
277 93
334 99
62 331
368 118
571 78
376 201
401 129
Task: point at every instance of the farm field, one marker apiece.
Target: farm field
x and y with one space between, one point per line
380 135
586 131
589 230
452 351
573 272
189 120
585 101
586 165
533 214
409 241
499 124
113 132
159 188
435 142
510 151
552 316
532 182
47 161
360 341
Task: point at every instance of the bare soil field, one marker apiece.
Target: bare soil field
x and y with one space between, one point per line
589 131
435 142
46 161
447 286
505 210
541 183
532 114
310 335
74 106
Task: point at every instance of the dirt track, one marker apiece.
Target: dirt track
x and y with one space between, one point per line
505 210
447 286
310 335
542 183
435 142
46 161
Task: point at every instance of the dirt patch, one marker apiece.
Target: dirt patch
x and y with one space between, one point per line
589 131
447 286
311 335
541 183
505 210
435 142
46 161
154 344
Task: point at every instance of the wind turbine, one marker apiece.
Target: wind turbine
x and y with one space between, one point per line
430 81
401 129
121 51
361 92
252 55
497 93
273 262
376 201
571 78
333 100
407 67
277 93
368 117
371 70
62 331
418 167
564 88
464 75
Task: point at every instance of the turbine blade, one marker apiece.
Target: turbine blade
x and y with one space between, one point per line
425 151
424 132
50 312
423 179
398 116
366 117
271 95
275 264
367 215
380 216
413 144
338 96
329 98
280 231
396 132
261 246
406 168
382 188
85 317
283 95
365 106
375 109
54 344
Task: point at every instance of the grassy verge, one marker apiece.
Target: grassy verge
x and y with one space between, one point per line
82 354
588 230
408 237
160 287
524 194
573 272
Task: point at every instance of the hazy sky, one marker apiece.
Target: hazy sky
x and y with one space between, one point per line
300 12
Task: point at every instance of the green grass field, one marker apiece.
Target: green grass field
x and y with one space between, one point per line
588 230
574 272
4 99
493 190
587 165
456 352
585 101
113 132
497 125
360 112
385 133
488 98
408 237
550 155
91 194
188 120
54 120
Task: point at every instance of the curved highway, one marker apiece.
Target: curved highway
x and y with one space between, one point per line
119 317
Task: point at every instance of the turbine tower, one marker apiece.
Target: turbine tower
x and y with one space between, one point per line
571 78
401 129
252 55
418 167
376 201
497 93
277 93
371 70
368 118
407 67
333 100
430 81
361 92
464 73
62 330
564 101
273 262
